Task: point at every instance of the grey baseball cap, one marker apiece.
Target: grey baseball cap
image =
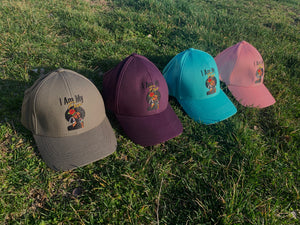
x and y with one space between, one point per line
66 114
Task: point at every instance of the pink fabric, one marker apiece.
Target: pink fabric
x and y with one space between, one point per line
255 96
241 67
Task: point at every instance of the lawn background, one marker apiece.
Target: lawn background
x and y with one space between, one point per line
244 170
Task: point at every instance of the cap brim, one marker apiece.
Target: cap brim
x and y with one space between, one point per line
256 96
152 130
66 153
210 110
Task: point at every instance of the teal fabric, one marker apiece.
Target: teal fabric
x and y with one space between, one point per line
193 78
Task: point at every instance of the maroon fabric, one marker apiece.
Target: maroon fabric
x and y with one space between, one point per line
136 91
151 130
110 81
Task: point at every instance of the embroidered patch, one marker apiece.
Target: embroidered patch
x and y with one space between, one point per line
211 83
259 74
153 96
75 115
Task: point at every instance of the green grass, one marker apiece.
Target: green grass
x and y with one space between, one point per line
244 170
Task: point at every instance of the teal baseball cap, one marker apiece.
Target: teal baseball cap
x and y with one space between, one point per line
193 79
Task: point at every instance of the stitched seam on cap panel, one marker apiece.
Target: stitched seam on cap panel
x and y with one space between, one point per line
120 82
181 69
66 83
148 73
34 99
99 95
260 56
235 62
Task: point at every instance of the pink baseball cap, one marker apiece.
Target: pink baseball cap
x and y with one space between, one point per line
241 67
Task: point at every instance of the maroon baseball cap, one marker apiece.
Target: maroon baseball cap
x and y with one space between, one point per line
137 93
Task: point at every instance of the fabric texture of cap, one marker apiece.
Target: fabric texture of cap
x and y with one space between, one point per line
193 79
136 92
241 67
66 114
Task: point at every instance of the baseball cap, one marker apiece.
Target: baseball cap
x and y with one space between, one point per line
192 77
65 112
241 67
136 92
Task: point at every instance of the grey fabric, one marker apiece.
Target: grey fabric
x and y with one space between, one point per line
45 104
67 153
66 114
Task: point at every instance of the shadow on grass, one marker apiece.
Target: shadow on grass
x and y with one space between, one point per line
203 164
277 133
12 94
190 193
186 196
270 127
160 61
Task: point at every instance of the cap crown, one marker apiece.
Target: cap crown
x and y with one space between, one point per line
192 74
241 65
135 87
62 103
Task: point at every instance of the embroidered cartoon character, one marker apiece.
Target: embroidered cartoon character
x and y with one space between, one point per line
75 116
211 83
153 96
259 74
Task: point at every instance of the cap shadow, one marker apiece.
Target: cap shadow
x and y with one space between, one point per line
12 95
11 98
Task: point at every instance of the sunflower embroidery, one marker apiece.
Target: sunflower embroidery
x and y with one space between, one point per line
211 83
259 74
75 116
153 96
